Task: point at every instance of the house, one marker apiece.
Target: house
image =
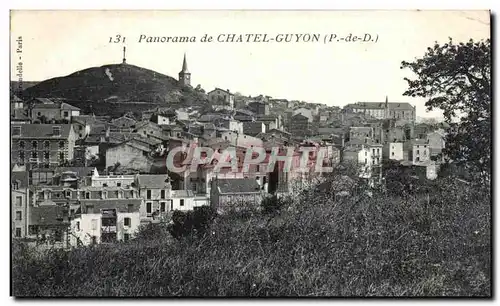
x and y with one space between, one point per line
239 140
254 128
300 125
16 102
155 190
54 111
393 151
436 142
271 121
106 218
49 225
419 152
304 112
150 129
259 108
124 123
46 144
20 197
221 97
234 193
360 133
130 155
231 125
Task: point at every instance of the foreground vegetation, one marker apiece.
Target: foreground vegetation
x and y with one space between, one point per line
315 244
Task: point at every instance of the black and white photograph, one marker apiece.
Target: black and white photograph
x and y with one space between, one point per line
250 153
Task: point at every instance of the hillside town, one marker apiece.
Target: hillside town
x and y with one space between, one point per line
80 178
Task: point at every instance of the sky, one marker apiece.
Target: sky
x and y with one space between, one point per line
58 43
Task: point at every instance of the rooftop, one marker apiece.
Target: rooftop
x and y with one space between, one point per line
238 186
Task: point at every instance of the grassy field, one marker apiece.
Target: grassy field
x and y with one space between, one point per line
315 245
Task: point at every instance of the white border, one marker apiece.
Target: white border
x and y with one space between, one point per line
212 5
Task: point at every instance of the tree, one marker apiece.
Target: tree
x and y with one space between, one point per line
456 78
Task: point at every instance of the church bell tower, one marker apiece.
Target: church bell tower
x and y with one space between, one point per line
185 75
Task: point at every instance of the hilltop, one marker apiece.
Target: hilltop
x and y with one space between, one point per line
97 88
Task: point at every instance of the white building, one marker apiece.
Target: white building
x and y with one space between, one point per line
395 151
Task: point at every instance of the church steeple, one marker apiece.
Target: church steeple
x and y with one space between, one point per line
185 75
185 65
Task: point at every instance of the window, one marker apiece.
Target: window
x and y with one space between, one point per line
118 184
34 144
162 194
90 209
417 159
34 155
104 185
148 207
130 208
94 224
162 207
15 186
392 153
418 152
19 215
46 144
68 193
366 160
21 144
46 155
56 130
87 195
181 202
148 194
126 221
126 237
66 114
61 156
77 226
18 232
16 131
61 144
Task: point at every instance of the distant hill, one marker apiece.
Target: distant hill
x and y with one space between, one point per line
17 87
100 87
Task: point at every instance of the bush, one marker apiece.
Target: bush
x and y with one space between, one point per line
271 205
191 223
382 245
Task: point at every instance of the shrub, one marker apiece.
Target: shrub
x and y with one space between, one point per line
383 245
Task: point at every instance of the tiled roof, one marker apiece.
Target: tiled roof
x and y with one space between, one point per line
80 171
46 106
21 177
182 194
159 181
238 186
47 215
68 106
43 131
121 205
43 100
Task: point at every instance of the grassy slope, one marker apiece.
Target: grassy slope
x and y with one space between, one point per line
359 246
